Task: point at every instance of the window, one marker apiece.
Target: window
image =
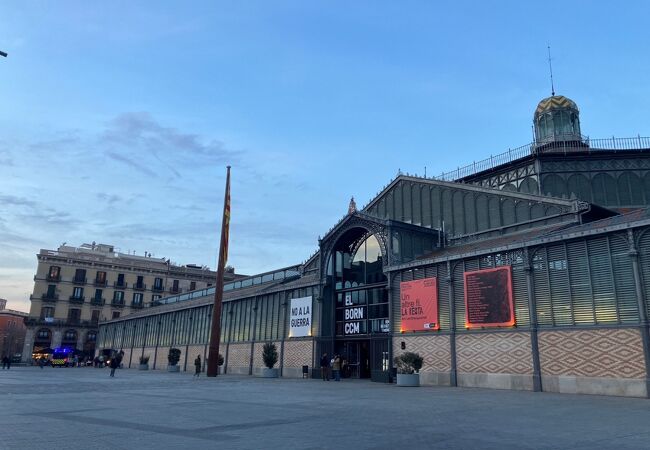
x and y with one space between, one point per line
54 274
78 292
94 318
118 297
91 336
175 286
47 312
116 314
70 336
79 276
100 278
120 280
43 334
74 314
98 294
137 298
158 284
51 291
192 285
140 283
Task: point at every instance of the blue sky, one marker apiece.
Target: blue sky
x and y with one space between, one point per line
117 119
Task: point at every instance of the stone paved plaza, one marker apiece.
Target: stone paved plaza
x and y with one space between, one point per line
83 408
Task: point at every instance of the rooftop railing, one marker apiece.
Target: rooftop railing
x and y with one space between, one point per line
562 145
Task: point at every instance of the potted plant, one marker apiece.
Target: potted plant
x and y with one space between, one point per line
173 357
408 368
144 363
270 357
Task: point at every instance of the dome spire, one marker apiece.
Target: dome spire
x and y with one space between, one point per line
550 68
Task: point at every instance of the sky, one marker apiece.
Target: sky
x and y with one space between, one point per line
118 119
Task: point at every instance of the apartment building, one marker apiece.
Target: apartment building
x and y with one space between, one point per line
76 287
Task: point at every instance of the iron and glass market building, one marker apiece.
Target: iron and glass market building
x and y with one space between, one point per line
528 270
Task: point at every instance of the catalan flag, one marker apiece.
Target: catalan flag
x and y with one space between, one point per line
225 228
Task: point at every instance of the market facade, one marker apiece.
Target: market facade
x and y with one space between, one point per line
528 270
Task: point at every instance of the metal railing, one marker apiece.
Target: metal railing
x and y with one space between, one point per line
559 146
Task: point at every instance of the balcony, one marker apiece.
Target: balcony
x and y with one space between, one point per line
99 283
139 286
157 288
51 322
175 290
97 301
76 280
50 297
53 279
74 299
118 285
117 303
137 305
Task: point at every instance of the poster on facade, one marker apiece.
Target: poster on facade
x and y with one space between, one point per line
488 298
300 317
419 303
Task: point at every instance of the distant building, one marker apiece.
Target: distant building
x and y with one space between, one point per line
12 331
76 287
527 270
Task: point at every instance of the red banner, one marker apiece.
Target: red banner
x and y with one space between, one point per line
419 301
488 298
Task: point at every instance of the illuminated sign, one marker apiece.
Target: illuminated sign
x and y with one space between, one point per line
300 317
488 298
419 304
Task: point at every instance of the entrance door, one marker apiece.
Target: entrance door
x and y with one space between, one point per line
356 358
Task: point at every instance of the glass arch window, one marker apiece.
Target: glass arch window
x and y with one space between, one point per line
362 267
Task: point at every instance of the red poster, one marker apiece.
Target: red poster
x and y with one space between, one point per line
419 301
488 298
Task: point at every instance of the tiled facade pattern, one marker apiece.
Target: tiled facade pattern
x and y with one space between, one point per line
435 351
239 355
494 353
298 353
592 353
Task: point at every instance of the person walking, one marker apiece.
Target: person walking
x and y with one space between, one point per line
197 366
325 367
114 364
4 362
336 368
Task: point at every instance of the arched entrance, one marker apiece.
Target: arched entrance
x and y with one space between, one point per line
357 293
42 341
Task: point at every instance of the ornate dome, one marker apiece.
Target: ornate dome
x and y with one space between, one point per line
555 102
557 119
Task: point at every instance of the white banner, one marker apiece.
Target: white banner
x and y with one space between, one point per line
300 317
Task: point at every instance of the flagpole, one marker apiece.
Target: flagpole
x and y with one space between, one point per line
215 334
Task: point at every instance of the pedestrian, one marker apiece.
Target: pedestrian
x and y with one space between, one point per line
120 355
4 362
101 361
325 367
336 368
41 362
114 364
8 362
197 366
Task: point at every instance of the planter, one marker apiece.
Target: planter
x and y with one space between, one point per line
173 368
143 367
408 379
269 373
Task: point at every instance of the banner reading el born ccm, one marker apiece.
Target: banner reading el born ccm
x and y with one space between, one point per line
300 317
419 301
